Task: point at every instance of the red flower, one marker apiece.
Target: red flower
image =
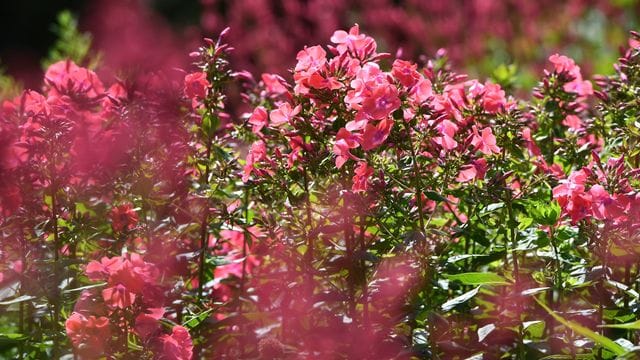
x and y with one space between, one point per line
88 334
67 78
195 85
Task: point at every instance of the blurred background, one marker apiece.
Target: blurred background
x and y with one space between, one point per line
483 37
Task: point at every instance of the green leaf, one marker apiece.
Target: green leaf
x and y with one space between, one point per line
460 299
196 320
628 326
432 195
478 278
603 341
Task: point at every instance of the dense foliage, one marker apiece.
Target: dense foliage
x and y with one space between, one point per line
370 208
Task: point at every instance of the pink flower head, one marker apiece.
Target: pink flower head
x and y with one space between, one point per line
89 335
258 119
358 45
123 217
572 198
274 84
345 141
66 78
196 85
448 130
375 136
361 177
405 72
283 114
485 142
572 122
563 63
177 346
421 91
257 153
381 102
118 296
310 60
476 170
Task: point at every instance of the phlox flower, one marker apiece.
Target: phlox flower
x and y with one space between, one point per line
88 334
196 85
177 346
283 114
361 178
375 136
345 141
123 217
485 142
258 119
448 130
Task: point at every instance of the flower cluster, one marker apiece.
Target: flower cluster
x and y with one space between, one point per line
132 291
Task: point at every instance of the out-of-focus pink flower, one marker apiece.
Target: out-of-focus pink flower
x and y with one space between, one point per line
66 78
274 83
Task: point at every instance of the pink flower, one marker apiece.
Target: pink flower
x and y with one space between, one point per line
476 170
359 45
572 198
196 85
274 83
375 136
258 119
485 143
177 346
283 114
257 153
88 335
123 217
381 102
448 130
405 72
572 122
67 78
601 201
345 141
118 296
361 177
